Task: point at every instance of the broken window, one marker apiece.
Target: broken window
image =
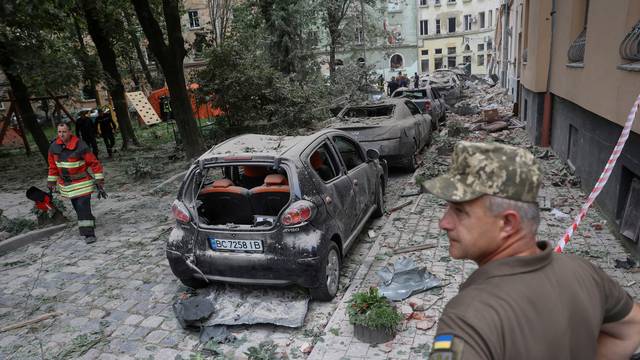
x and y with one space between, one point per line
247 194
369 111
324 164
424 27
194 19
452 25
349 151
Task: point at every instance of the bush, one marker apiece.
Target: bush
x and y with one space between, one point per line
139 170
373 310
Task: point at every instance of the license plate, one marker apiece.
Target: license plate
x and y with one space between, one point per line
235 245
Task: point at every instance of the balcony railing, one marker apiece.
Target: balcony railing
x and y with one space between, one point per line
576 50
630 46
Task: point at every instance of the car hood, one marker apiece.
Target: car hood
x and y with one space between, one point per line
370 132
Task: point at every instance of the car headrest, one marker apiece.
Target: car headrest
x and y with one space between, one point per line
316 160
222 183
275 179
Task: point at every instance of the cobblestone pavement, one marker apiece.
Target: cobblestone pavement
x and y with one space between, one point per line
418 224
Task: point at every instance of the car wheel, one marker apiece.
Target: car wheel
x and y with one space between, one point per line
194 283
379 202
329 275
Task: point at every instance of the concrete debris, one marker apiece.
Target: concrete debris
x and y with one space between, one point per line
306 348
495 126
625 264
371 233
191 311
403 279
426 324
559 215
217 333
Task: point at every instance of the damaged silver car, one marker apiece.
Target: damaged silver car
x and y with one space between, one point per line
272 210
447 83
395 127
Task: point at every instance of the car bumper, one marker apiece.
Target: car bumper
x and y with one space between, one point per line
278 265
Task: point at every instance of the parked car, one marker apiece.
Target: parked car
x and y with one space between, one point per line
395 127
447 83
274 210
427 99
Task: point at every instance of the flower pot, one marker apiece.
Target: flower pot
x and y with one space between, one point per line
373 336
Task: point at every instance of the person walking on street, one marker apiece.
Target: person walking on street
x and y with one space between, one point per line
69 158
524 301
392 85
416 81
86 130
107 127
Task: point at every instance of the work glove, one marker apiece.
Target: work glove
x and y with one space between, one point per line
101 193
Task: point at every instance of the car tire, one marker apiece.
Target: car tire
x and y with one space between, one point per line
194 283
379 202
329 275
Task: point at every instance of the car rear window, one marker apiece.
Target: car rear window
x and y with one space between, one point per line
369 111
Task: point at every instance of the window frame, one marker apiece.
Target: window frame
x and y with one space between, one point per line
194 18
481 20
337 167
438 27
409 104
424 30
362 156
449 23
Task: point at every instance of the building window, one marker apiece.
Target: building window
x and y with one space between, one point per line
466 59
490 19
194 20
452 25
393 5
438 51
576 50
480 60
467 48
489 45
396 61
423 3
480 47
451 50
424 27
467 22
437 63
424 52
424 65
436 2
481 15
451 62
630 46
199 45
437 26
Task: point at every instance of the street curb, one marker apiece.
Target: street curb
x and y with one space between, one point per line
28 238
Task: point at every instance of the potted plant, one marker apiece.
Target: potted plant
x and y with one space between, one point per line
375 319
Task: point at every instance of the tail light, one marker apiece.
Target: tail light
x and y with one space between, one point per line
180 212
298 213
427 105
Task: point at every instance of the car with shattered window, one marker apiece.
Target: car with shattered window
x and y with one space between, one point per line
394 127
447 83
274 210
429 100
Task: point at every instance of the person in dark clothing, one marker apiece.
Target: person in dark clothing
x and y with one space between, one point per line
86 130
416 81
107 127
392 86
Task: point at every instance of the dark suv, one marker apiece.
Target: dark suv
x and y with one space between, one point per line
271 210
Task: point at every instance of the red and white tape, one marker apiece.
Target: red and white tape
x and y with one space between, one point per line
604 177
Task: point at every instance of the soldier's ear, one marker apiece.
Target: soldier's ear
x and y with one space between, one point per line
511 222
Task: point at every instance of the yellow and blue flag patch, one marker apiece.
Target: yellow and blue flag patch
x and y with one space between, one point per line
443 342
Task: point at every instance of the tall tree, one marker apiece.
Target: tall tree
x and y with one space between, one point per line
88 66
220 14
108 58
135 43
334 15
170 56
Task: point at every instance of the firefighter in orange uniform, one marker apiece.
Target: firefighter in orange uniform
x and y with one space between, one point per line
69 158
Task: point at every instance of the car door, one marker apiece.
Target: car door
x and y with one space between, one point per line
422 124
359 172
335 188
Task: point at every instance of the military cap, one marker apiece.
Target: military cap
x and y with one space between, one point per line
488 169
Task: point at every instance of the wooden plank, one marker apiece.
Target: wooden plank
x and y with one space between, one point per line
30 321
143 107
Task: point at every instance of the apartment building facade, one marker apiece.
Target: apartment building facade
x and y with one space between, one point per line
579 64
454 32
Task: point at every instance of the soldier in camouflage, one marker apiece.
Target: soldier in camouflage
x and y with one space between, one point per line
524 300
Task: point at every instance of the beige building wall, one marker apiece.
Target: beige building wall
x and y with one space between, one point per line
537 35
598 85
196 21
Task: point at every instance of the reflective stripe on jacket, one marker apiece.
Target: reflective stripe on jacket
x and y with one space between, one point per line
68 165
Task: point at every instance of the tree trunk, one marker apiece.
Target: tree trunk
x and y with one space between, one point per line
85 63
110 66
171 57
21 94
135 42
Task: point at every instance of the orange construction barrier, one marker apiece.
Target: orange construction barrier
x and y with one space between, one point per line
204 111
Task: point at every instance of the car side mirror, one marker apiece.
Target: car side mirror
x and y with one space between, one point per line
373 154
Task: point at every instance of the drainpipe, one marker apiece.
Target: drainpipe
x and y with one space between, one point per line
545 138
505 44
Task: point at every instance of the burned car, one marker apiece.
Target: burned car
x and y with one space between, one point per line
429 100
447 83
395 127
273 210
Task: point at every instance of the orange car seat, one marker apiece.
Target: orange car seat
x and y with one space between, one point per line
224 203
253 176
272 196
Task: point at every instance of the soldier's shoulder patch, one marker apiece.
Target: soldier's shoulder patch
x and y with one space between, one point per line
446 347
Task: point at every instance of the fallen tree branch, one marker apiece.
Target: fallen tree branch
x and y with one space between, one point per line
400 206
30 321
413 248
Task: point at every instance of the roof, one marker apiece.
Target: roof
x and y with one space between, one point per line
262 145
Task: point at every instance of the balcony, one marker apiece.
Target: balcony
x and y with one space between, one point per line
576 50
630 49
